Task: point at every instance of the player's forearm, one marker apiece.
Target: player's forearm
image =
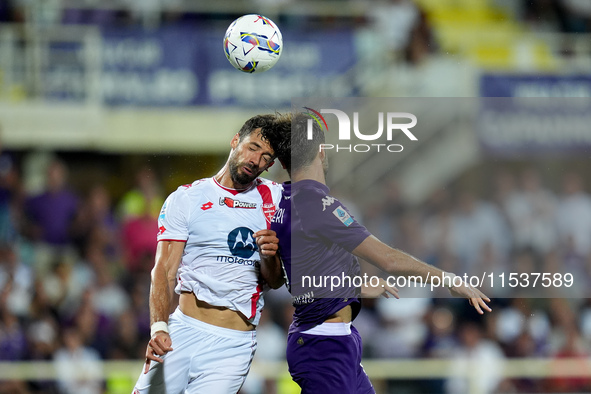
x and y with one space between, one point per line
168 257
409 266
271 271
394 261
161 294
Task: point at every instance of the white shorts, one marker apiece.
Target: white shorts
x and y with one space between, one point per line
204 359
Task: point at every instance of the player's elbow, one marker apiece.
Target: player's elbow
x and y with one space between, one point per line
161 273
387 266
276 283
274 279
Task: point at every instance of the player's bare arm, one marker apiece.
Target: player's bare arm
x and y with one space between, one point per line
381 290
397 262
168 258
271 270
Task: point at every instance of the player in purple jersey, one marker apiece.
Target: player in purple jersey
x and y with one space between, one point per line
318 237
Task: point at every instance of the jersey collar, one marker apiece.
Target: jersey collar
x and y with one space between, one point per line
234 191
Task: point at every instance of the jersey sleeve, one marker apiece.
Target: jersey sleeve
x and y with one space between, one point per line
329 219
173 221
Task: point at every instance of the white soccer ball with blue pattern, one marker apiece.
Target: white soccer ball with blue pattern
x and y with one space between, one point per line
253 43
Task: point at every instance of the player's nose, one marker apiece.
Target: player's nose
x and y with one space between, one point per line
256 160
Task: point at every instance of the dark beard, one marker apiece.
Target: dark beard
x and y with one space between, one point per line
241 178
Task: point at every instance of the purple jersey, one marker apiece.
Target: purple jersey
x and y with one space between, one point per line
317 235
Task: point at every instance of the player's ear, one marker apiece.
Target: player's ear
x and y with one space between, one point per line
235 141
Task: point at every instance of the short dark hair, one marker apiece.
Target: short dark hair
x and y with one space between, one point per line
299 152
269 131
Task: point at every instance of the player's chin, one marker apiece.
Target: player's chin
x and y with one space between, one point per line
244 178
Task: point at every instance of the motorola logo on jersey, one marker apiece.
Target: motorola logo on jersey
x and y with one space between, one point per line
241 242
231 203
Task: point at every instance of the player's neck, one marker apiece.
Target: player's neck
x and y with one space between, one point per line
224 179
314 173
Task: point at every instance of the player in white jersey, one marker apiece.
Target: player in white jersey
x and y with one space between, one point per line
207 253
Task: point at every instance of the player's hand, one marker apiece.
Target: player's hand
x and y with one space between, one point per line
267 242
381 290
159 345
476 297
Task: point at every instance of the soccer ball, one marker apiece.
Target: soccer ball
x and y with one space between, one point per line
253 43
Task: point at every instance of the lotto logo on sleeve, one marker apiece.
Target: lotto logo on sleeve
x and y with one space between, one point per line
343 216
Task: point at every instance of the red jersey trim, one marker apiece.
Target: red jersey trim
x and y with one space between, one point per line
267 197
176 240
254 300
230 190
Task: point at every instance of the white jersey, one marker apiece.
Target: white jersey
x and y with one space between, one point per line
220 264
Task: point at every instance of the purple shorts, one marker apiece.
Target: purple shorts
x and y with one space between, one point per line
327 364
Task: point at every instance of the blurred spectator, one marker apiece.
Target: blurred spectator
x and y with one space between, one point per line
410 238
440 341
42 337
13 344
402 332
11 199
50 214
368 323
78 368
65 284
42 340
139 209
520 319
93 327
16 280
381 217
524 346
139 242
139 308
531 213
476 223
437 227
95 223
477 364
145 199
573 347
127 343
394 20
422 41
109 298
574 215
